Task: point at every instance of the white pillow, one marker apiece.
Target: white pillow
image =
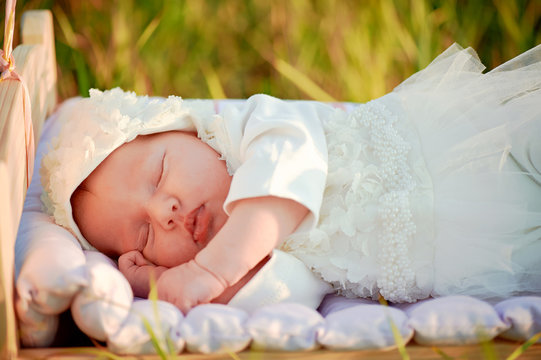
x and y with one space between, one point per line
454 320
215 328
54 267
333 302
365 326
133 337
101 308
523 314
35 329
285 327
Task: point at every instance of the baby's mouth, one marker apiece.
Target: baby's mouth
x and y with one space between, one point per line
201 220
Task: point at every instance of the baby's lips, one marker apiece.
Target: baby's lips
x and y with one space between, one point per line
190 221
201 225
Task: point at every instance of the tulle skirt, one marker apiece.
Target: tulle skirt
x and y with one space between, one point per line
466 216
481 140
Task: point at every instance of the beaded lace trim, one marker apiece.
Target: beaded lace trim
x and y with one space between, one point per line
396 276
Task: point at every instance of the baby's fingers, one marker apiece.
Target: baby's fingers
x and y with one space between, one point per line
126 262
133 257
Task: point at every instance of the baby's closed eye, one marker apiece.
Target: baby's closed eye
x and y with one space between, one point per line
161 170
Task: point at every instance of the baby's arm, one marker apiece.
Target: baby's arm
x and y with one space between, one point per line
254 228
278 152
138 272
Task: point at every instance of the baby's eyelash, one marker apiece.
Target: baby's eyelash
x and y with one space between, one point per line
162 168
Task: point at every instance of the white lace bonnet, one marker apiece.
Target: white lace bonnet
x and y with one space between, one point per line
92 128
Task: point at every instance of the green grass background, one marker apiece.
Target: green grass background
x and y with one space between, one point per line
299 49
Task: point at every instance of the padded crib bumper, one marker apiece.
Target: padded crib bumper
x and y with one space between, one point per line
103 307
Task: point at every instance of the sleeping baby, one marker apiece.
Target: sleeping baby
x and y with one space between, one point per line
430 190
129 176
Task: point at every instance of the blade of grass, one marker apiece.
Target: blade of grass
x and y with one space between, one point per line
233 355
302 81
170 346
90 351
65 27
508 14
441 353
154 339
213 82
153 293
522 348
398 339
488 349
83 78
105 351
153 297
149 30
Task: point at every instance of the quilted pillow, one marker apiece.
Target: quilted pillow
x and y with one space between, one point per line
101 307
454 320
54 267
215 328
333 302
35 329
523 314
285 327
365 326
133 337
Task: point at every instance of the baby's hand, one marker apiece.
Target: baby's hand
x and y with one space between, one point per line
189 285
138 272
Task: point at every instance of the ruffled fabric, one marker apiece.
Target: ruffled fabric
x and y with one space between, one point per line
480 138
92 128
435 188
375 193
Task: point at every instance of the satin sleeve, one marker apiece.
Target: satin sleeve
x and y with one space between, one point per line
278 149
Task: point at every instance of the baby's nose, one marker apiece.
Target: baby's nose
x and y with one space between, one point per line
173 216
167 213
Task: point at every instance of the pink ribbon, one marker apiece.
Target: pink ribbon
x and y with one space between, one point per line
7 70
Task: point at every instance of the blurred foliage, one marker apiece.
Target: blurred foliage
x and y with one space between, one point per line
323 49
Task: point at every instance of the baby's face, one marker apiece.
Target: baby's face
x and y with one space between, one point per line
160 194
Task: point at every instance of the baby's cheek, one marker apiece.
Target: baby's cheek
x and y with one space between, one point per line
175 253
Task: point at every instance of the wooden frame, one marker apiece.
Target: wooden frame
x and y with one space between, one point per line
36 64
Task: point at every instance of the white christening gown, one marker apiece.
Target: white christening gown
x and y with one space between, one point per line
435 188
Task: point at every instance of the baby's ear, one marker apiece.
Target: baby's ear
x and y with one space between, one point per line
76 197
77 201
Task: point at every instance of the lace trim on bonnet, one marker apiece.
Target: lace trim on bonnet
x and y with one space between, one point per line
92 128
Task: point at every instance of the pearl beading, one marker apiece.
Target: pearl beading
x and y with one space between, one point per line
396 279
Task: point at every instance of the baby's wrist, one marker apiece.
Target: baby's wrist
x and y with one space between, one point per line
226 272
211 273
